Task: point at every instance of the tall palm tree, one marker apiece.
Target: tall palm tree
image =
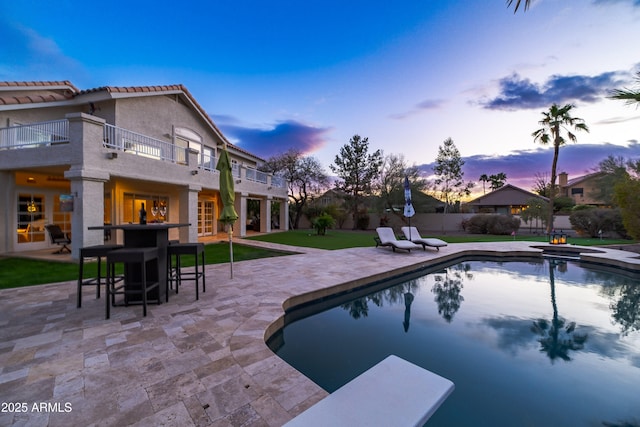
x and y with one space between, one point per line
628 95
527 4
555 121
484 178
556 339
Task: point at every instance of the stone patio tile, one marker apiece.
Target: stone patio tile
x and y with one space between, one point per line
202 363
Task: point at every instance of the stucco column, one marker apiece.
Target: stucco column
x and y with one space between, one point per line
189 213
267 215
87 180
284 214
88 209
241 210
7 231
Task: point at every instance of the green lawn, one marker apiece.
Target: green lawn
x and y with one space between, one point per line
340 239
18 272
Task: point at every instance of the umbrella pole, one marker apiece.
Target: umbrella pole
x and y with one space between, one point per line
231 248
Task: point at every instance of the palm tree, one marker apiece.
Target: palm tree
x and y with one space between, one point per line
556 339
484 178
555 121
628 95
527 4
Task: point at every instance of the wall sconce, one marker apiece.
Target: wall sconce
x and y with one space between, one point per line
195 172
269 188
112 155
238 181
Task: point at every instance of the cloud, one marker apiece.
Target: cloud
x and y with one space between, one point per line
31 56
276 140
632 2
521 167
428 104
520 93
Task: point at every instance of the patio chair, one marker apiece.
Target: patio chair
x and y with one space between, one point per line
386 237
411 234
59 237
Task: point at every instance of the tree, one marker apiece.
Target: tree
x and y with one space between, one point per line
630 96
555 121
390 185
527 4
613 170
536 210
484 179
356 170
497 180
305 178
449 176
541 184
626 195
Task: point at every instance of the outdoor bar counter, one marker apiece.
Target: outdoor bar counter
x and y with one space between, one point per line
154 235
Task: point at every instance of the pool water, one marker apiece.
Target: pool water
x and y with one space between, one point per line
536 342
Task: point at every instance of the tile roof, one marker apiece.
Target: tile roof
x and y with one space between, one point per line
69 91
505 195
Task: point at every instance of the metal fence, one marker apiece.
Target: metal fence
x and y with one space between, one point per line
35 134
125 140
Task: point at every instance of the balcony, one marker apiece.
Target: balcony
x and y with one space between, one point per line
122 140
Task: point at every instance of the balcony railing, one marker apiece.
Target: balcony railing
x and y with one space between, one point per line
125 140
208 163
115 138
35 135
256 176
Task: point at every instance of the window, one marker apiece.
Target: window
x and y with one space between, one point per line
577 191
31 218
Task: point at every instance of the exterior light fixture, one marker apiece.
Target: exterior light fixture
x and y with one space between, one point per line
195 172
112 155
558 238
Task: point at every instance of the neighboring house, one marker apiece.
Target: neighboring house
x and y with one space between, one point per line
508 200
331 197
581 189
81 158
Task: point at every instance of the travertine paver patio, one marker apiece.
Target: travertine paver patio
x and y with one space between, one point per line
188 362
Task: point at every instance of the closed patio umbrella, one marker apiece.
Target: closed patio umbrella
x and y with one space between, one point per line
227 193
408 206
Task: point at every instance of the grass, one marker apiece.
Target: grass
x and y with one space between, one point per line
19 272
340 239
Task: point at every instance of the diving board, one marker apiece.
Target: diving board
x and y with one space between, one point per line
394 392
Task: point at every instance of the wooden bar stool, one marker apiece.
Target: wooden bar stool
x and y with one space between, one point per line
176 273
136 282
99 252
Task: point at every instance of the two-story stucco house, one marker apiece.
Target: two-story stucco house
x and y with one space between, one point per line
582 189
82 158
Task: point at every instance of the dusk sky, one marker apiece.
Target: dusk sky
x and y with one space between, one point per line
406 74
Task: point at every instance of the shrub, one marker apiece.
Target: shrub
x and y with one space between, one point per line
491 224
362 222
321 223
589 222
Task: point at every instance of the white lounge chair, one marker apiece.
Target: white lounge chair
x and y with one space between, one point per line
411 234
386 237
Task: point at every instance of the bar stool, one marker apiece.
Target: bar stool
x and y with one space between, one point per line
98 251
176 273
135 282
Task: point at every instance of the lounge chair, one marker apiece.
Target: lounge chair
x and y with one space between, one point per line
411 234
386 237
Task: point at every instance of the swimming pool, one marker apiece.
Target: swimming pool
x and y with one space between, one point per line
541 341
